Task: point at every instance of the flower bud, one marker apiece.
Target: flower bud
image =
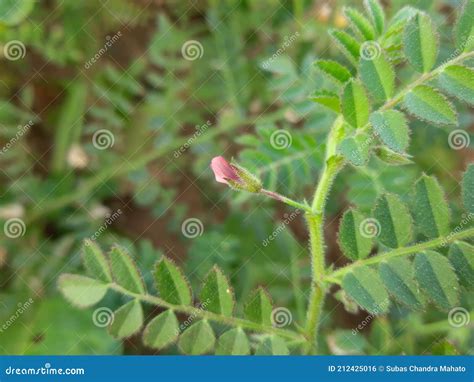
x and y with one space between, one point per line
235 176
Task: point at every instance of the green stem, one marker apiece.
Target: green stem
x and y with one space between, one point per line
284 199
337 275
207 315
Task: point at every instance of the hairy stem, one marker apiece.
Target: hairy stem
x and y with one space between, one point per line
337 275
207 315
284 199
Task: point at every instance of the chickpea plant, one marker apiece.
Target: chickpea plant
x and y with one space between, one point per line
373 114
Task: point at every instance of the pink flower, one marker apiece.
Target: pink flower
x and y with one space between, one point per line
223 171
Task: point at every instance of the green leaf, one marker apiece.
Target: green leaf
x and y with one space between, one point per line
364 286
392 128
162 331
128 319
96 262
391 157
197 339
12 12
327 99
216 294
399 277
420 42
356 149
233 342
395 221
81 291
375 11
428 104
347 44
378 76
355 104
334 70
461 256
430 208
272 345
436 277
468 189
458 81
464 29
355 238
125 271
360 24
171 283
259 307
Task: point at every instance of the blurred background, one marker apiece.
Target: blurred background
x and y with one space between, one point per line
110 112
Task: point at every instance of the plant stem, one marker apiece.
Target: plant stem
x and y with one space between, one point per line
284 199
315 219
339 273
207 315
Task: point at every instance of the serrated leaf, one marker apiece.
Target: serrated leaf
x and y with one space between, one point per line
360 24
392 128
391 157
197 339
428 104
356 149
420 42
171 283
348 44
464 29
233 342
468 189
334 70
81 291
395 221
162 331
355 104
430 208
458 81
259 307
353 240
364 286
378 76
96 262
436 277
399 277
461 256
376 13
216 294
272 345
125 271
127 320
327 99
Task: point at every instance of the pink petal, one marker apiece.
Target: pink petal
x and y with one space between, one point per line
223 171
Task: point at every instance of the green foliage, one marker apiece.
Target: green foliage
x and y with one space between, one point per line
334 70
82 291
458 81
259 307
355 104
272 345
125 271
392 128
162 331
468 189
198 339
378 76
461 256
217 293
128 319
355 244
233 342
171 283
